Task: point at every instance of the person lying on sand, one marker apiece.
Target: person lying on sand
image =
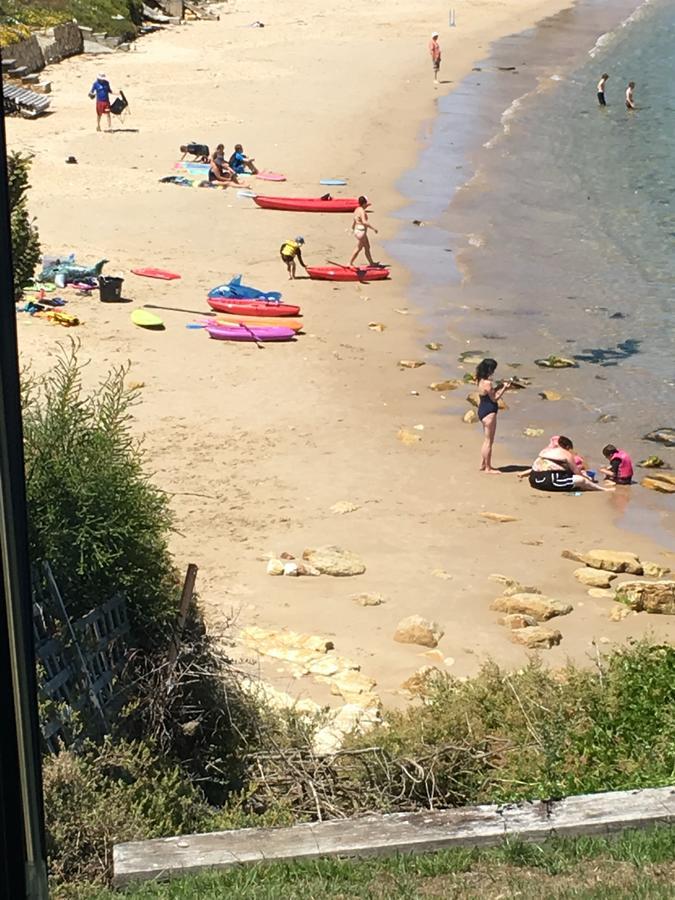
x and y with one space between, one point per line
620 469
240 163
198 152
220 171
556 469
360 227
290 251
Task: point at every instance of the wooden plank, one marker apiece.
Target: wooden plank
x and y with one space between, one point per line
395 833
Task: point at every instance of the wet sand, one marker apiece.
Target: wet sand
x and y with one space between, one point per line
257 445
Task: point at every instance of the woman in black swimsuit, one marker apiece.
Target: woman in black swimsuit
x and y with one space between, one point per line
488 407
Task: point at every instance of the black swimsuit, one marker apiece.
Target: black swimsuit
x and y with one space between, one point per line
486 406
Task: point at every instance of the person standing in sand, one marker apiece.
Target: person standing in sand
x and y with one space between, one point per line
360 227
630 100
101 90
601 90
488 407
435 53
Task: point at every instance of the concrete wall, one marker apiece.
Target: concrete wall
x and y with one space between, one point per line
173 8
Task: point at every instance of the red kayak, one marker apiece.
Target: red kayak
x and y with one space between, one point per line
308 204
243 307
348 273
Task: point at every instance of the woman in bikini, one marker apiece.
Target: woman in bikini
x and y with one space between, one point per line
360 227
488 406
557 469
220 171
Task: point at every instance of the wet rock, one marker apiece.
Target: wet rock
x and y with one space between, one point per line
606 418
601 593
656 597
521 382
433 345
497 517
368 599
342 507
654 570
595 578
332 560
536 638
275 567
550 395
410 363
472 357
408 437
533 432
470 417
665 436
417 630
539 607
613 561
449 385
518 620
664 484
556 362
652 462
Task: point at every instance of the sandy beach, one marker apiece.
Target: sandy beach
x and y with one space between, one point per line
256 445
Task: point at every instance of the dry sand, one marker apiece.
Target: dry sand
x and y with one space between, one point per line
257 445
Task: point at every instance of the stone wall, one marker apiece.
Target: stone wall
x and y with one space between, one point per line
60 42
26 53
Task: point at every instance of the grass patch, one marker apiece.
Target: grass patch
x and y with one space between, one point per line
636 864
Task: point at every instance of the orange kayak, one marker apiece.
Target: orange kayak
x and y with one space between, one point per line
283 321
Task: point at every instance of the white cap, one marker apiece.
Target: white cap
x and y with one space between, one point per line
101 75
434 34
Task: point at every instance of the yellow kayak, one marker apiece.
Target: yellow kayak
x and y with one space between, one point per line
283 321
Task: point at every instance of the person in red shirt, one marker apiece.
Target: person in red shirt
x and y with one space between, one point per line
435 53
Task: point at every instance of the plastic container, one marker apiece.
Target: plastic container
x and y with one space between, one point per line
110 288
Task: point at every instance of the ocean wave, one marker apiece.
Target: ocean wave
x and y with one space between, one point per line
609 36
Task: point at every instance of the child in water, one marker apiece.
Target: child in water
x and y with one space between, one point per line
620 469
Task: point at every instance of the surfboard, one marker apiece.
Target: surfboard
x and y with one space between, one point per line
145 319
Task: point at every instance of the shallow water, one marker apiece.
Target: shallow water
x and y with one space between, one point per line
554 222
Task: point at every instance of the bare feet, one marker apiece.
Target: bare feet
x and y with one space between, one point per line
489 470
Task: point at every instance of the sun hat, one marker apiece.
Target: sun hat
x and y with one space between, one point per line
101 75
300 239
434 34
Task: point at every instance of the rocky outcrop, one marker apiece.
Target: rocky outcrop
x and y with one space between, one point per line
656 597
664 484
416 630
613 561
332 560
535 605
60 42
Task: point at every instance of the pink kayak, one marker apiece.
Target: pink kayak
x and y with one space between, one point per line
348 273
308 204
233 332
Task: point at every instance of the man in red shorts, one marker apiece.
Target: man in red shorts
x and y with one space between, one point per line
101 90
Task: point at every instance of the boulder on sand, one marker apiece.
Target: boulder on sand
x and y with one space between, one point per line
664 484
535 605
613 561
657 597
517 620
596 578
331 560
537 638
665 436
416 630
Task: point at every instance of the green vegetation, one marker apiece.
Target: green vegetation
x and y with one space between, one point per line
25 240
636 864
19 17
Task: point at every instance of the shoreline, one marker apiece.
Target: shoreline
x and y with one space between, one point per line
270 441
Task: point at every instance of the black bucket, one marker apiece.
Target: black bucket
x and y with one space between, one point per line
110 289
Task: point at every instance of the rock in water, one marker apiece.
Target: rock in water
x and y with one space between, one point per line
664 436
550 395
664 484
331 560
537 638
472 357
556 362
657 597
613 561
416 630
596 578
535 605
652 462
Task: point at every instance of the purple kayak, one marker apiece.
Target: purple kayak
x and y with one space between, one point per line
234 332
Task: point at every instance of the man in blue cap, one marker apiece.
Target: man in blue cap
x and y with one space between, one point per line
290 251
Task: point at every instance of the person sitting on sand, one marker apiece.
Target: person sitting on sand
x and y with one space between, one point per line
556 469
630 100
198 152
488 407
240 163
601 90
360 227
620 469
220 172
290 251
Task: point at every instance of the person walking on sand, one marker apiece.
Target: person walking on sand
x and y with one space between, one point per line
290 252
630 100
360 227
435 53
488 407
101 90
601 90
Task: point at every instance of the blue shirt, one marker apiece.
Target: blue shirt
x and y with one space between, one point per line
237 162
102 89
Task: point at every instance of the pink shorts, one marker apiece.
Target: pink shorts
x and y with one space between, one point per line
102 106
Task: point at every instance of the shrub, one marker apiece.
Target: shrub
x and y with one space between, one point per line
94 514
25 240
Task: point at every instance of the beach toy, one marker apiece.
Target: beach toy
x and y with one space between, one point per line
235 289
348 273
308 204
235 306
145 319
333 181
244 333
155 273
